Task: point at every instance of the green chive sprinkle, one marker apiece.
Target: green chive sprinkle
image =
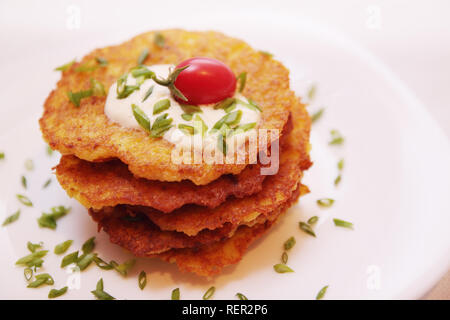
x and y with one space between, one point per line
29 165
12 218
187 129
252 105
100 294
49 150
161 105
89 245
160 126
24 181
200 125
159 40
321 293
62 247
189 109
336 138
289 244
312 92
176 294
143 56
54 293
33 246
313 220
48 220
65 67
2 155
317 115
86 67
186 116
28 273
142 280
337 180
222 143
141 117
85 260
284 257
266 53
47 183
101 61
24 200
76 97
148 93
69 259
340 164
124 267
33 259
224 103
102 264
242 79
229 119
97 88
43 278
246 127
307 228
343 224
282 268
241 296
325 202
209 293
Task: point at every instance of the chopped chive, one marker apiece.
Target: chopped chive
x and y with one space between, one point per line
282 268
313 220
33 259
127 91
229 119
289 244
85 260
65 67
24 200
49 150
224 103
266 53
252 105
176 294
159 40
231 108
33 246
340 164
29 165
143 56
100 294
88 246
101 61
62 247
186 116
336 138
86 67
321 293
246 127
209 293
97 88
69 259
47 183
54 293
142 72
161 125
148 93
307 228
200 125
2 155
241 296
23 180
325 202
187 129
48 220
76 97
222 143
343 224
189 109
12 218
317 115
124 267
102 264
242 78
284 257
28 273
161 105
43 278
142 280
312 92
141 117
337 180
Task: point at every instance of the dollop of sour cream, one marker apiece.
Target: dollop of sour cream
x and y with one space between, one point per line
120 111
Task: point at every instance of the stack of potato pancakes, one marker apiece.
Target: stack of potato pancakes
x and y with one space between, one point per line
202 217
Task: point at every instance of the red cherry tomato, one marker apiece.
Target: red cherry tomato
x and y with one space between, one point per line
205 81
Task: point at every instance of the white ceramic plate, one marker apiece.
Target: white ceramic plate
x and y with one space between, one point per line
394 189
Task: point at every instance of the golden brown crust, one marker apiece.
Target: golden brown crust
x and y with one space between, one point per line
87 133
